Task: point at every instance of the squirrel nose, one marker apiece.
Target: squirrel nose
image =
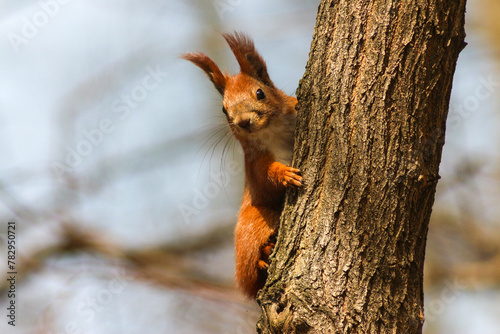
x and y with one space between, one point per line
243 123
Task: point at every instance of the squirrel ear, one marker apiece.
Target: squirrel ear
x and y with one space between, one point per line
211 69
248 58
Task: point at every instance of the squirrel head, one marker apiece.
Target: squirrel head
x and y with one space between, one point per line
251 102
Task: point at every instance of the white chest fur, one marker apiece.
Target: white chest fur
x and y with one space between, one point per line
278 138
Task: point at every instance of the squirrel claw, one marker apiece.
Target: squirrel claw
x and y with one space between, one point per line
292 178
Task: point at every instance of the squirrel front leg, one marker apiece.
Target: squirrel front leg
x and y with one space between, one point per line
285 175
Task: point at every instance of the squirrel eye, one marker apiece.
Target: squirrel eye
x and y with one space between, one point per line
224 110
260 94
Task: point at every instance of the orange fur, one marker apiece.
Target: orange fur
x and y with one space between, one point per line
262 118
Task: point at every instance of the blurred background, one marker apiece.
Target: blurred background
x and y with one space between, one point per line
124 185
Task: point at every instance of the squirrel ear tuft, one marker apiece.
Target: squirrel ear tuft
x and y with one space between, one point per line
251 63
209 67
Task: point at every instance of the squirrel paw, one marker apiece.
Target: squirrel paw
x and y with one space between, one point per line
265 252
292 178
263 265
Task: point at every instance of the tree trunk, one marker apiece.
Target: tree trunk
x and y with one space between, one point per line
373 107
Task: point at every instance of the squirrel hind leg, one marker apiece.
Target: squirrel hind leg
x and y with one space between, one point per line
266 252
252 283
255 239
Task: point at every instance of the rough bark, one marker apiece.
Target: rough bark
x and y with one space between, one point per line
374 101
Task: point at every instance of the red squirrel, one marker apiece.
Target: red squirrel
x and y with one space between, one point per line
262 118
